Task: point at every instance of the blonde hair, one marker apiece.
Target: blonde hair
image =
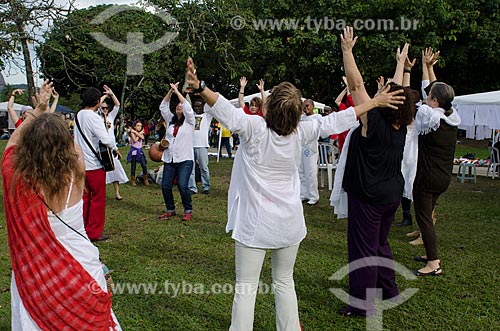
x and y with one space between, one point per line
283 109
46 157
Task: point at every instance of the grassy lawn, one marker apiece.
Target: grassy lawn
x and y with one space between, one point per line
143 250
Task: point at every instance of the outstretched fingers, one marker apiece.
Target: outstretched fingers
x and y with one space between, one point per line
192 78
347 38
391 99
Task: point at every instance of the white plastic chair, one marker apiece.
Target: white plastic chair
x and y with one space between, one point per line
494 163
327 162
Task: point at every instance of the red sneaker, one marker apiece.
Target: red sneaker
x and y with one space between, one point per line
187 216
167 215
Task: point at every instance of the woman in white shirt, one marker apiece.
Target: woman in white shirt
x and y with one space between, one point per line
264 206
178 157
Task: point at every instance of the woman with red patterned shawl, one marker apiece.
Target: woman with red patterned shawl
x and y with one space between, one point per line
57 278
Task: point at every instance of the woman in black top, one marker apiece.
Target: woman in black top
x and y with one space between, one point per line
437 124
374 185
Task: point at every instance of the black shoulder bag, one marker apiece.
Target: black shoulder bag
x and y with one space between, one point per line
104 153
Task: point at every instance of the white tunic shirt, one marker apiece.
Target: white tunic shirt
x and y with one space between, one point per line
201 127
264 207
313 146
94 129
180 147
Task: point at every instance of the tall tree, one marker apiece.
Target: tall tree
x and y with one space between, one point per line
20 24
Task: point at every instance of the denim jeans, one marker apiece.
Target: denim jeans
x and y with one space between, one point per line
200 154
225 142
182 170
133 165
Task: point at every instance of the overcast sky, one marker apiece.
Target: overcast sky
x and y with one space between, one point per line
15 76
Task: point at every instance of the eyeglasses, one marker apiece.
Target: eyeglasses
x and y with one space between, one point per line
104 108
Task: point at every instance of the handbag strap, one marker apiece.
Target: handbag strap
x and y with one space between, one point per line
57 216
85 138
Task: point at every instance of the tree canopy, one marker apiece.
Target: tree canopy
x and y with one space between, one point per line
20 25
306 54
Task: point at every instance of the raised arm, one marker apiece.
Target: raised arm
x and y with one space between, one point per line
430 58
344 120
425 71
354 78
42 101
401 56
165 105
10 105
109 93
187 109
169 94
208 95
407 71
243 84
341 95
260 86
176 91
55 95
116 108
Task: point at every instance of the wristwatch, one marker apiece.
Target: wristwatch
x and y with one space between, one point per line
200 88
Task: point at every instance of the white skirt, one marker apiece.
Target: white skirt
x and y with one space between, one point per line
117 175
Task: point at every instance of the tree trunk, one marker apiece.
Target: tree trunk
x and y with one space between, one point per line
122 113
27 61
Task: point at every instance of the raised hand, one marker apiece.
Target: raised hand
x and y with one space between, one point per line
17 92
175 87
55 95
260 85
107 90
43 97
347 39
344 78
243 82
380 82
192 78
430 58
390 99
402 55
409 64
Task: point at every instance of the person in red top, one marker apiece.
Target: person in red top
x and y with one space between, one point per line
26 109
145 125
342 106
256 103
12 113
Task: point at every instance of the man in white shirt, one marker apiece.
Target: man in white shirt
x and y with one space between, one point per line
200 146
308 170
94 198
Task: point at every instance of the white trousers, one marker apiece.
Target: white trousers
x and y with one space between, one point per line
308 174
248 266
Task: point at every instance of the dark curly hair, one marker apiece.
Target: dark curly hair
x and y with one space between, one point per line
406 112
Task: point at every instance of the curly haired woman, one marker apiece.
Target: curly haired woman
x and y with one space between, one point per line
57 279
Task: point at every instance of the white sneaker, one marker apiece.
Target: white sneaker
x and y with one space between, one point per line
312 202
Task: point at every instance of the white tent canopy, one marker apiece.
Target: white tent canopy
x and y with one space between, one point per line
480 113
248 98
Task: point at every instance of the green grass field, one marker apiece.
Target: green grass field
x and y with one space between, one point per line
143 250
